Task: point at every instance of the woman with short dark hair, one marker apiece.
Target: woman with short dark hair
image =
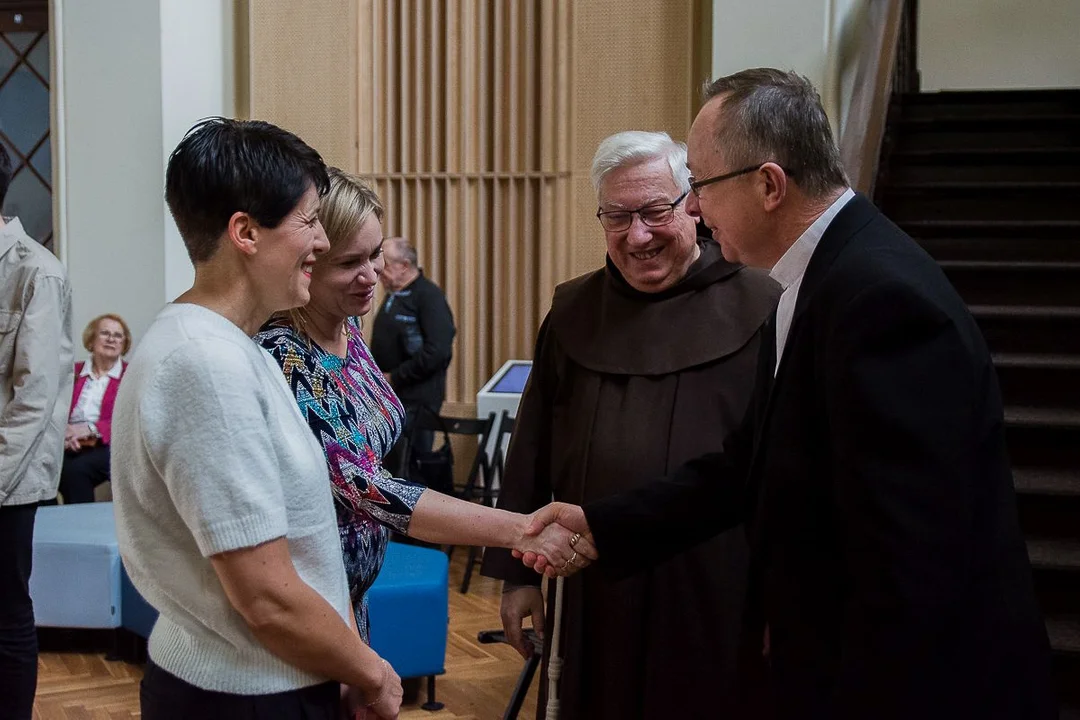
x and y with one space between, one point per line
224 513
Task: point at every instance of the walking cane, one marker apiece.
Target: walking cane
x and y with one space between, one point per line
554 658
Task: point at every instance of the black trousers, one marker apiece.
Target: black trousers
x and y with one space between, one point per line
163 696
82 472
18 637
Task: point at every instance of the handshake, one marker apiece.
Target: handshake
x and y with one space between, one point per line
556 541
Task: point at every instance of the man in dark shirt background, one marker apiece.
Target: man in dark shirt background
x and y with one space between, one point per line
412 339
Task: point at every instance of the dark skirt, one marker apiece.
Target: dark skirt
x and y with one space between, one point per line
163 696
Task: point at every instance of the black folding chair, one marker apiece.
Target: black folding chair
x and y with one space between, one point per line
498 457
434 468
521 689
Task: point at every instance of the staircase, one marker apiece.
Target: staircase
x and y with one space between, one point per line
989 183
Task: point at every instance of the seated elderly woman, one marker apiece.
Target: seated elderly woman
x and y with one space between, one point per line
224 510
89 430
357 417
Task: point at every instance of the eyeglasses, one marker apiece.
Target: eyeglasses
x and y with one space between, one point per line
656 215
106 335
696 185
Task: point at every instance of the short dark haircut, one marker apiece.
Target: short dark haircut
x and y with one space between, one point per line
777 116
5 173
224 166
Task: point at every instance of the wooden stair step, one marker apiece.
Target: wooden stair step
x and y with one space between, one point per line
991 121
1064 632
1002 249
1054 554
1043 481
991 186
1042 417
1026 311
923 227
1037 360
1048 265
1054 155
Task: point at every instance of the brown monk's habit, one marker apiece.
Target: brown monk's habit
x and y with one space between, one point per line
625 387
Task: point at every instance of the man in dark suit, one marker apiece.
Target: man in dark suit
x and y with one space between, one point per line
889 577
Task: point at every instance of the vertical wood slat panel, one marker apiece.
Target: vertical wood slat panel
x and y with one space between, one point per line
510 325
465 110
452 43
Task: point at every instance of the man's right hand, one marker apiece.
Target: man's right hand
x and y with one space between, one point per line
571 517
518 603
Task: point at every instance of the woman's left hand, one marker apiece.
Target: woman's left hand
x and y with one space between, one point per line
566 552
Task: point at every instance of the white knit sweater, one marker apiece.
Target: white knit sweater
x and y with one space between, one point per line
210 454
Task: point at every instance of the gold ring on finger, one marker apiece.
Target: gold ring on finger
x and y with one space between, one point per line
574 540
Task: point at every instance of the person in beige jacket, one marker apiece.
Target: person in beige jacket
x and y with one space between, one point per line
35 389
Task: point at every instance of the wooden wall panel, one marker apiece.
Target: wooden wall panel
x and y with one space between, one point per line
463 149
476 122
302 64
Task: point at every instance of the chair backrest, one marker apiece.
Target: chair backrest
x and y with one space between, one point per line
480 428
498 456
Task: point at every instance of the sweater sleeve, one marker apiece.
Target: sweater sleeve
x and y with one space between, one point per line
205 425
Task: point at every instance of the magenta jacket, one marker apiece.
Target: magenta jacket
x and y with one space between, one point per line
104 423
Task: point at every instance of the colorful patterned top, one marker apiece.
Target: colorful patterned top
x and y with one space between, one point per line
357 418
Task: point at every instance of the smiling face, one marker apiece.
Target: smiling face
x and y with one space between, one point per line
286 255
343 281
730 209
651 259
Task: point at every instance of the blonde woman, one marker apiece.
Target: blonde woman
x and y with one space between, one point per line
357 417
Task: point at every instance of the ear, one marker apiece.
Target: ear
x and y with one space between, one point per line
773 184
242 233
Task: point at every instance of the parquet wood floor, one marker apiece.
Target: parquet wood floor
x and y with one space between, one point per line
476 686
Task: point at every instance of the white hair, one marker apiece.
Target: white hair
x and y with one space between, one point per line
636 146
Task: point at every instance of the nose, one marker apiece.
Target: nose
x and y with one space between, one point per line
638 233
693 205
321 243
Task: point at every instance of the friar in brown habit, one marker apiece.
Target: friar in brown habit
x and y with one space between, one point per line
639 367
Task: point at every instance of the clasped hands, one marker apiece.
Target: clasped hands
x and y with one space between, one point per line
557 541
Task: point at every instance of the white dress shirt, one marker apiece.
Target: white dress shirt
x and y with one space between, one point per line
88 407
791 267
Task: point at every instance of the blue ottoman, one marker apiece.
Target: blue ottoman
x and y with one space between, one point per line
75 581
138 616
408 606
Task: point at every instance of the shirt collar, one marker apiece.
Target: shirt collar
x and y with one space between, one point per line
12 231
114 372
793 264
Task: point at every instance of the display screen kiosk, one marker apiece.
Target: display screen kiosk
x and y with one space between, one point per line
502 393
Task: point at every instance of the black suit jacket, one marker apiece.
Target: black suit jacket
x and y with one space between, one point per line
887 559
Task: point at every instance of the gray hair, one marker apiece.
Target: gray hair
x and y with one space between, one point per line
776 116
404 249
636 146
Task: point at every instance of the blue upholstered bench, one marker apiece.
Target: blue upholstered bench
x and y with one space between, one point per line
78 582
409 610
75 581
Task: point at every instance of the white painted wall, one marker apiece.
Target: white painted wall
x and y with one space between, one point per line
977 44
132 76
785 34
111 186
817 38
197 81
